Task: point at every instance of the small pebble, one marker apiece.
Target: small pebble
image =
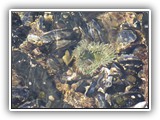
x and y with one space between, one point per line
30 83
51 98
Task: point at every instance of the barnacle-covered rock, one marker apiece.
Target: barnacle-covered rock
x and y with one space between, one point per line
101 102
78 100
126 100
95 32
19 35
15 78
19 96
34 82
75 99
126 36
91 55
116 87
132 64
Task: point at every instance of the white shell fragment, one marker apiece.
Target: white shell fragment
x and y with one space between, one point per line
140 105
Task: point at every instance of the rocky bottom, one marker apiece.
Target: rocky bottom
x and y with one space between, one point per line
79 60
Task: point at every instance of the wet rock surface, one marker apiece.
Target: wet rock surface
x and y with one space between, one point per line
57 60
